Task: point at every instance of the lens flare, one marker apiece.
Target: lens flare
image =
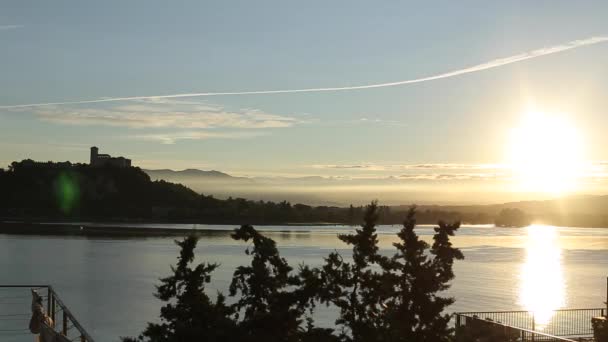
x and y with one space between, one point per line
67 192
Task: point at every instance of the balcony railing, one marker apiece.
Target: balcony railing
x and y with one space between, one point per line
564 325
15 313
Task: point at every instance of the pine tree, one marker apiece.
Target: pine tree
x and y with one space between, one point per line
188 313
415 310
355 287
390 299
271 310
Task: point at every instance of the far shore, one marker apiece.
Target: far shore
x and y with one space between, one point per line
124 229
117 229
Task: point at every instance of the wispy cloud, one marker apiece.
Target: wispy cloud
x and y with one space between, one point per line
495 63
593 171
399 167
173 137
46 144
362 121
165 114
455 176
10 27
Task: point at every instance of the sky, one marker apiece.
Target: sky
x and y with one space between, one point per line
455 129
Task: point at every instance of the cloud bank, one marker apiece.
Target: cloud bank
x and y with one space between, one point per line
400 167
173 137
479 67
168 121
166 114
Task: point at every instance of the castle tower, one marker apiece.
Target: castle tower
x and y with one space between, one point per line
94 153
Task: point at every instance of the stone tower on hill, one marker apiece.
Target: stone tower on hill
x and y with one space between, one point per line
98 159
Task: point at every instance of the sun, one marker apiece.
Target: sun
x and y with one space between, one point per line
545 153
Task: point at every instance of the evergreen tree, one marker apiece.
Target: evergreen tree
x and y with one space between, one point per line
188 313
271 309
355 287
391 299
415 310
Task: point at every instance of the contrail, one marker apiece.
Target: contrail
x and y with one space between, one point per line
479 67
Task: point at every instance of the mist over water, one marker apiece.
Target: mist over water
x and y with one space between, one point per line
108 283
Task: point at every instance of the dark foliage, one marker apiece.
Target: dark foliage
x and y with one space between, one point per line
380 298
270 308
417 282
354 287
392 299
188 313
64 190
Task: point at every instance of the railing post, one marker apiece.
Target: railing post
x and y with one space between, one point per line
64 330
533 325
48 299
53 310
53 301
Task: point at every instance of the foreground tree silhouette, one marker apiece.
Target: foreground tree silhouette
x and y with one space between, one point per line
391 299
354 287
270 306
270 299
379 297
188 313
415 310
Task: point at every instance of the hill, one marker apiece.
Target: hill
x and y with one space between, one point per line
34 191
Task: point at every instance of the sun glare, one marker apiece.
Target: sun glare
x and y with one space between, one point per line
545 153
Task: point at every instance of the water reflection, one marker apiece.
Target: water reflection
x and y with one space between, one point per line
542 287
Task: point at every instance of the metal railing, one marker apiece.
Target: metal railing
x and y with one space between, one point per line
473 328
563 323
16 307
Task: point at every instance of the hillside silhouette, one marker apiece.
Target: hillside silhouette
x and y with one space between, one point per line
34 191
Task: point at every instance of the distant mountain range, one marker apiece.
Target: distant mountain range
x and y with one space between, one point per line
202 175
167 174
329 191
223 185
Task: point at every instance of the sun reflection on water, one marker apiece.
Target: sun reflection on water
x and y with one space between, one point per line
542 287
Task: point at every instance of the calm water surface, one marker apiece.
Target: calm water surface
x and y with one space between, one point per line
108 283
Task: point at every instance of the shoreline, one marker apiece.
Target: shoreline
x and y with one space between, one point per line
109 230
57 229
106 229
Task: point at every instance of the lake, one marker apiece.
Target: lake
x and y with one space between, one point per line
108 282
